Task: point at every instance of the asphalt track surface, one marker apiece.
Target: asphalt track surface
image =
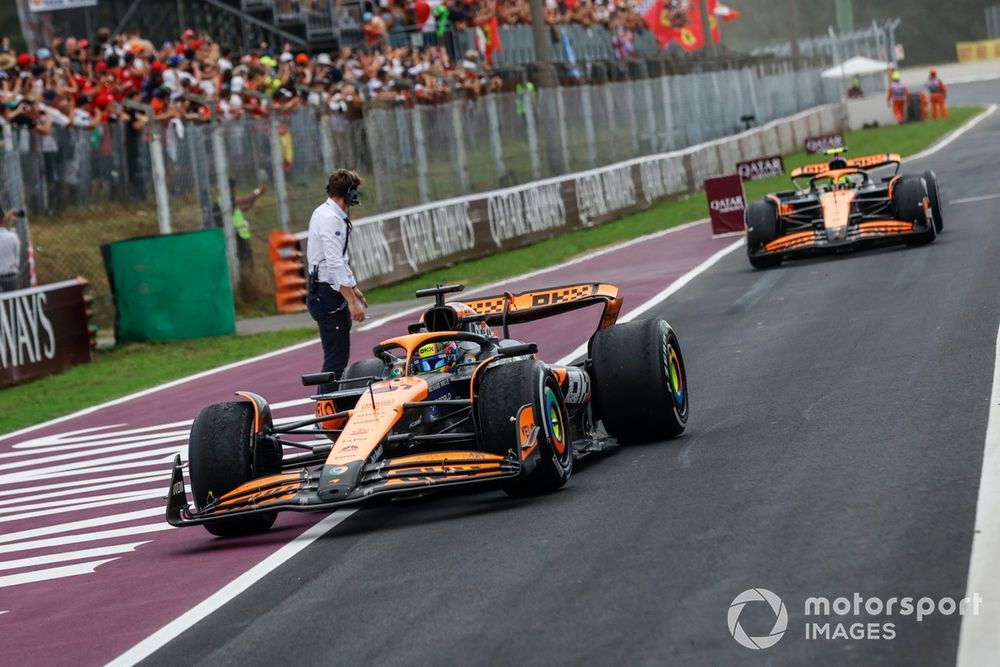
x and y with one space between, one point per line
835 447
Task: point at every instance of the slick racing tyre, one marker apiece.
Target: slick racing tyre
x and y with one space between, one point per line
908 197
221 459
362 369
763 227
502 393
366 368
930 178
640 384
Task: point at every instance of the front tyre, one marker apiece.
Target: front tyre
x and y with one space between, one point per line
909 196
930 178
640 383
220 452
503 392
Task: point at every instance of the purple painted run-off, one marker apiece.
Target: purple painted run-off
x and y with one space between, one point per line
86 593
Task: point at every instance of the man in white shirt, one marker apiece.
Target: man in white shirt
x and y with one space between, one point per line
334 299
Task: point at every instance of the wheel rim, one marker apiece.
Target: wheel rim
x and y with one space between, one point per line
554 421
674 369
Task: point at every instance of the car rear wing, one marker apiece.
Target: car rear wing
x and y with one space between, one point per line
508 308
863 162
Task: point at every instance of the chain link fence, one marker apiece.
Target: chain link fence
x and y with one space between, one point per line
87 187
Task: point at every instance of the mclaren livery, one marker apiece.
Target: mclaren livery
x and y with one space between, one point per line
450 403
843 204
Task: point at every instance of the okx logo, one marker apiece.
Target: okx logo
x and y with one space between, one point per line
780 618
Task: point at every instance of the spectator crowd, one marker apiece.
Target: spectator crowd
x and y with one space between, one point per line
109 87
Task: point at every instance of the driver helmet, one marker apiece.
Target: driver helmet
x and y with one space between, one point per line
436 358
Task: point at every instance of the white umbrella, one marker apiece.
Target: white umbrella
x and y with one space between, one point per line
856 66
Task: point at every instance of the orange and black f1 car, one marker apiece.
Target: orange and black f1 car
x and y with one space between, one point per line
451 403
843 204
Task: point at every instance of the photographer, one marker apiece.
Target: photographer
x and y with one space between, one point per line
10 252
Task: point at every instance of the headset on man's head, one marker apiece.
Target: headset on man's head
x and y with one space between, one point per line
352 197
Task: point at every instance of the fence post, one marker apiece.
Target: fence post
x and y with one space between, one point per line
325 141
157 166
654 136
588 125
280 187
420 148
458 138
495 142
202 175
609 115
668 113
529 119
633 125
563 136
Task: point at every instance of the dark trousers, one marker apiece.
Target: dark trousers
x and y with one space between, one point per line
8 282
329 308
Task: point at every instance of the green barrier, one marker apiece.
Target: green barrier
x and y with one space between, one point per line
170 287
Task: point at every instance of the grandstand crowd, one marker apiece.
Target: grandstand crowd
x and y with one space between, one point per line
80 81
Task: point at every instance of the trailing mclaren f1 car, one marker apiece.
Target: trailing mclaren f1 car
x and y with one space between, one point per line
843 204
448 404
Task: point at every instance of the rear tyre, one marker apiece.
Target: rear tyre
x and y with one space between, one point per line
908 197
502 392
221 459
640 384
930 178
362 369
763 226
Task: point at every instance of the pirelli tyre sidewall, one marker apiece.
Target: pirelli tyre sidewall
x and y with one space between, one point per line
501 394
220 452
930 178
763 226
909 196
640 382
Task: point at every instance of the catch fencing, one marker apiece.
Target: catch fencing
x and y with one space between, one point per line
93 186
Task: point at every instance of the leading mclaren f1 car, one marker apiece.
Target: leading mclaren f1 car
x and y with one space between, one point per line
450 403
843 204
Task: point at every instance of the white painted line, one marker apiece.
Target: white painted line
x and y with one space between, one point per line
955 134
979 641
146 647
52 573
79 554
969 200
973 78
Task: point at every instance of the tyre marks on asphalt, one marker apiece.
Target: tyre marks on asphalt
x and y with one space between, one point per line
765 281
